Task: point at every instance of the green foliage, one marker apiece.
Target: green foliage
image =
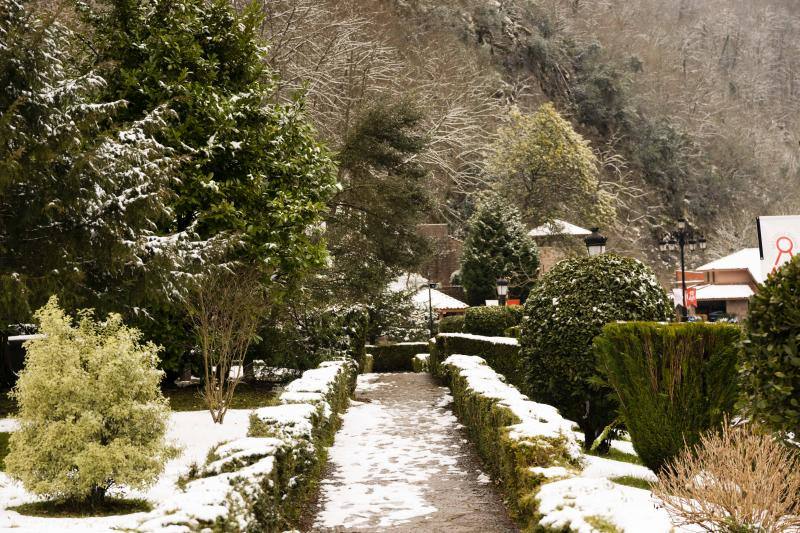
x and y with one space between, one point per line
502 355
397 317
451 324
508 459
492 321
497 245
421 363
396 357
90 409
674 382
371 224
538 158
770 365
565 311
3 449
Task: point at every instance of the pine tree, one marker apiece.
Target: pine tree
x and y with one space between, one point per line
497 245
77 200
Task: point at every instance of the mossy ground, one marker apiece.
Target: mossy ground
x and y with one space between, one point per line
617 455
631 481
246 396
80 509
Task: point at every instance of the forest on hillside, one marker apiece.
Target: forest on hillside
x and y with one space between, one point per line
690 106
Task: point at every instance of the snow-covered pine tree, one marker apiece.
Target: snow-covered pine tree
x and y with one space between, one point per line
497 245
77 200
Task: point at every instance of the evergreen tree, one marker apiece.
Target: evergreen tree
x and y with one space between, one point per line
78 200
497 245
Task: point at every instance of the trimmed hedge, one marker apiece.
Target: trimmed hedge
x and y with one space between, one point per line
395 357
492 321
674 381
451 324
770 363
512 434
262 482
421 362
500 353
565 311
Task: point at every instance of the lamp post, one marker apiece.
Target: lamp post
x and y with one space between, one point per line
502 291
684 235
431 286
595 243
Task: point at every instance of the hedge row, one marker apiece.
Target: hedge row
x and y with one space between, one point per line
451 324
261 482
492 321
421 362
521 441
500 353
395 357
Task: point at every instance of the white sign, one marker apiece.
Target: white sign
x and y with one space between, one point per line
778 241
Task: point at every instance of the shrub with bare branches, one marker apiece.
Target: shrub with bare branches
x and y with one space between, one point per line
226 308
740 479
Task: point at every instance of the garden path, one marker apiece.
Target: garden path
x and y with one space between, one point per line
402 462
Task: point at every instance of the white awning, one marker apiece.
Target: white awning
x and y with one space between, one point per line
716 292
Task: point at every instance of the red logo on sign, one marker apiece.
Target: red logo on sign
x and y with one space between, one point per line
691 297
785 246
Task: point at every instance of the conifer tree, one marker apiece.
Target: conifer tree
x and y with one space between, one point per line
497 245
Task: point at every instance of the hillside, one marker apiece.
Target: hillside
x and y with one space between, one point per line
690 107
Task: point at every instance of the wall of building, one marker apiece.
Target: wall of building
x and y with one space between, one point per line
737 307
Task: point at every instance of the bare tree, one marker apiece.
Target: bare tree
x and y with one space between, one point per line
226 307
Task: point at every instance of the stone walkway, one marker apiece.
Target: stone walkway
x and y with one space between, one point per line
401 462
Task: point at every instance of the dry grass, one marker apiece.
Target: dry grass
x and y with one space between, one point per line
738 480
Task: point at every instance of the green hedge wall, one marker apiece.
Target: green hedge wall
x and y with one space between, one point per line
395 357
500 353
508 458
674 381
492 321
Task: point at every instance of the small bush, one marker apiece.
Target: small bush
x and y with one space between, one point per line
738 480
452 324
90 409
492 321
566 310
770 364
673 381
500 353
396 357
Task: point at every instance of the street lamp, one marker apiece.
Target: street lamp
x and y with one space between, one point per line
685 235
595 243
502 290
431 286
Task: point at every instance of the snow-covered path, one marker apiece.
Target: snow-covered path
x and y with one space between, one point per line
401 462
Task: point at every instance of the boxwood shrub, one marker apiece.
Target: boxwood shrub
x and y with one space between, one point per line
770 364
566 310
673 381
500 353
396 357
492 321
451 324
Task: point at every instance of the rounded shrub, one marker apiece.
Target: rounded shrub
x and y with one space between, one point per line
674 382
492 321
451 324
566 310
770 361
91 412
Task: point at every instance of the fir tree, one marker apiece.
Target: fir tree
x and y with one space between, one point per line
497 245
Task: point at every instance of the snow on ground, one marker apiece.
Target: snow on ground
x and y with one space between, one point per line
193 431
600 467
8 424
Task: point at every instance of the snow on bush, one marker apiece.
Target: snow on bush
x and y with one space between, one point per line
91 413
513 434
500 353
396 357
261 481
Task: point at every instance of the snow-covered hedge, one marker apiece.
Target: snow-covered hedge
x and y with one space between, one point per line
395 357
260 482
421 362
500 353
521 441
